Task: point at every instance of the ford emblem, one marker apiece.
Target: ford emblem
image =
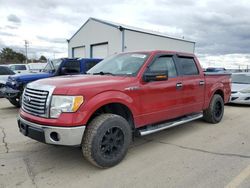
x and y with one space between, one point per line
27 99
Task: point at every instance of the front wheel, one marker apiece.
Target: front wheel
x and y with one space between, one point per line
214 113
106 140
15 101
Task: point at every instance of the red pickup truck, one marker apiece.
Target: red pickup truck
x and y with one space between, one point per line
128 94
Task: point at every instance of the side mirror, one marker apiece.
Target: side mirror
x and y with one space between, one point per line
155 76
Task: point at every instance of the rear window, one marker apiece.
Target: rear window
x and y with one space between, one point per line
90 64
18 67
188 66
73 67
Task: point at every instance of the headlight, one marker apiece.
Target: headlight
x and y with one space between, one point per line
245 90
60 104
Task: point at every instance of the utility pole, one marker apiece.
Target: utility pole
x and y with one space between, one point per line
26 50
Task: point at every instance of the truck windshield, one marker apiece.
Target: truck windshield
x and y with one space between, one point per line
241 78
121 64
52 65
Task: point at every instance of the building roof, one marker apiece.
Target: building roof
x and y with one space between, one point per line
130 28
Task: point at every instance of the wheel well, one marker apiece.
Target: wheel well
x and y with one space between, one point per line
220 92
115 108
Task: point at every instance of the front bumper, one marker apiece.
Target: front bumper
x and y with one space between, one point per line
240 98
67 136
8 92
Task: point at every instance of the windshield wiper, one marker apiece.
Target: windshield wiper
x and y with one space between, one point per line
103 73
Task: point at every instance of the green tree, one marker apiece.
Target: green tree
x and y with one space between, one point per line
7 55
42 58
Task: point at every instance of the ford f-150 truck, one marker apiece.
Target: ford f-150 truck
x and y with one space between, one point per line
15 84
128 94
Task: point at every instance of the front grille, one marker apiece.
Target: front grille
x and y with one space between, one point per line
34 101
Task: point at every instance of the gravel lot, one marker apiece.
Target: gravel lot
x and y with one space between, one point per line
196 154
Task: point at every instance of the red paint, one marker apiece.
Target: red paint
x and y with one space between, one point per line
151 103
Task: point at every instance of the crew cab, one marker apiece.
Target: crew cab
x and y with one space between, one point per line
58 67
128 94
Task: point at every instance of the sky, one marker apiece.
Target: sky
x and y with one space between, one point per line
221 29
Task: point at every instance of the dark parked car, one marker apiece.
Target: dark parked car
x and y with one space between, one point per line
214 69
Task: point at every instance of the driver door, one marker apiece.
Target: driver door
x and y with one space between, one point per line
161 100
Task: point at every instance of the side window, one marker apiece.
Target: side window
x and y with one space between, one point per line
90 64
20 67
12 67
2 71
8 71
72 67
188 66
164 63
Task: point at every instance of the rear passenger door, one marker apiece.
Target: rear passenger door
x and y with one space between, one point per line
192 85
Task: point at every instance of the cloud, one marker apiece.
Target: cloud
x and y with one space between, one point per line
11 27
2 33
13 18
217 28
2 45
52 40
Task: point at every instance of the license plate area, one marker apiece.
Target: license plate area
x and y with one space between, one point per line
32 132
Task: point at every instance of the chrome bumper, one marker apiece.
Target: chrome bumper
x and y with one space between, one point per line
67 136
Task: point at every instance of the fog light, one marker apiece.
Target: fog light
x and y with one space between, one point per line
54 136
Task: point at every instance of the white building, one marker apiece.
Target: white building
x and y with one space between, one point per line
98 38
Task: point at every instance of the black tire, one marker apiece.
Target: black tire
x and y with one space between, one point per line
106 140
214 113
15 101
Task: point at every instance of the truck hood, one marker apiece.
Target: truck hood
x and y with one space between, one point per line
30 77
78 84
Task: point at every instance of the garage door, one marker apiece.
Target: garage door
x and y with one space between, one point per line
99 50
79 52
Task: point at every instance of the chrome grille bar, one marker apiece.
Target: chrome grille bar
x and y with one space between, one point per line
36 99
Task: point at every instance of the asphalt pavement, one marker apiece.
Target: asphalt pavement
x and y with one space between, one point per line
195 154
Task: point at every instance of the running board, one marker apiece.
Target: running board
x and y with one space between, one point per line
159 127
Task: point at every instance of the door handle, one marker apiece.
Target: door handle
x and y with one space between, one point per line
202 83
179 85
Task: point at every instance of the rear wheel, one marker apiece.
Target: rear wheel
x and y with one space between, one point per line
215 111
106 140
